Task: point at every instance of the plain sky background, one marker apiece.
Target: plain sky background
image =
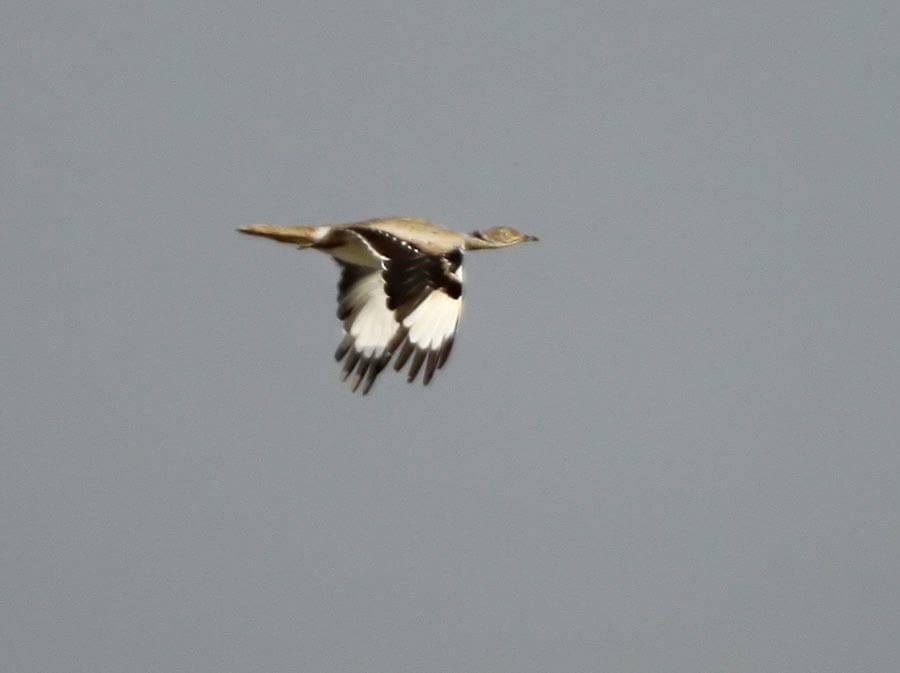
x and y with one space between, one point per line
667 439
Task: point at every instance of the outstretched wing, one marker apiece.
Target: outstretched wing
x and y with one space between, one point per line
371 332
413 304
426 294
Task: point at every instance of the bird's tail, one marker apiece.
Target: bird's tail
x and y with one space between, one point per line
303 236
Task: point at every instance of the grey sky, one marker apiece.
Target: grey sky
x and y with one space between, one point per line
666 439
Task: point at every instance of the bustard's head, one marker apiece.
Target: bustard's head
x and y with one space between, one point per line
498 237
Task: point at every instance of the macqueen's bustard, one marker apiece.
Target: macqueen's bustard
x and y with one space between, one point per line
400 290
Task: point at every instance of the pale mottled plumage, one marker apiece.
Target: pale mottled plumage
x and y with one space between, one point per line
400 290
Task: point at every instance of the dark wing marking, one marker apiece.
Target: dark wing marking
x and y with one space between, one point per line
408 281
385 244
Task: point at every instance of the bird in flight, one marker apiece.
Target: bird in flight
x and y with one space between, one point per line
400 289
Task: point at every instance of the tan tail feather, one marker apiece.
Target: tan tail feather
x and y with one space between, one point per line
299 235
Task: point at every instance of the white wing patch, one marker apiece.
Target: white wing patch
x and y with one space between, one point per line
430 329
372 324
370 329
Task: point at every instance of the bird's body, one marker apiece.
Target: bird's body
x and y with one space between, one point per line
400 289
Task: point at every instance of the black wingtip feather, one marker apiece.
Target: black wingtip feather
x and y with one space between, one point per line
343 347
445 352
350 364
416 366
431 365
408 349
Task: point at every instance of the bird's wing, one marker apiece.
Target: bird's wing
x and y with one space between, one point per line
371 331
424 294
